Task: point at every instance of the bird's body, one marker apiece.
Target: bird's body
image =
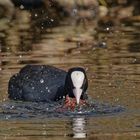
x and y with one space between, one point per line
43 83
37 83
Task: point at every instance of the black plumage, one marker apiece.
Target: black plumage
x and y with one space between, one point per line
42 83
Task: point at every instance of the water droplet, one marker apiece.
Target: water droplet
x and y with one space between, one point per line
48 90
135 134
117 99
12 107
46 87
102 45
52 20
44 125
41 81
74 11
86 69
20 56
8 117
109 84
18 133
27 77
134 60
44 133
21 7
107 28
36 15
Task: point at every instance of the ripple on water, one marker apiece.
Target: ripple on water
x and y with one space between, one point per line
27 110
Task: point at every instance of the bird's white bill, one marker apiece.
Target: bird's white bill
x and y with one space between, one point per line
77 93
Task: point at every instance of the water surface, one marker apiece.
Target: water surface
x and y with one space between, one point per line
111 57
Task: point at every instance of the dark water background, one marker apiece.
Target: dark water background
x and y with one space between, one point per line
111 57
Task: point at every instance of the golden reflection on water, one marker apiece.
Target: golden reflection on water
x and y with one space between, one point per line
113 72
89 128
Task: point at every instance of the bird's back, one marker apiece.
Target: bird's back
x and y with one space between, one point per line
37 83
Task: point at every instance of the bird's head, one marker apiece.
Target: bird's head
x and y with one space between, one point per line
76 84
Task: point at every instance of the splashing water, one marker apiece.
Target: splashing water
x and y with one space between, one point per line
28 110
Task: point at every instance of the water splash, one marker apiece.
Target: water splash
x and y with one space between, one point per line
41 81
27 110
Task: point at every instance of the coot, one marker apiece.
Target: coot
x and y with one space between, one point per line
44 83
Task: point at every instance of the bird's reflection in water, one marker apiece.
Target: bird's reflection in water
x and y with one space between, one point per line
79 127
